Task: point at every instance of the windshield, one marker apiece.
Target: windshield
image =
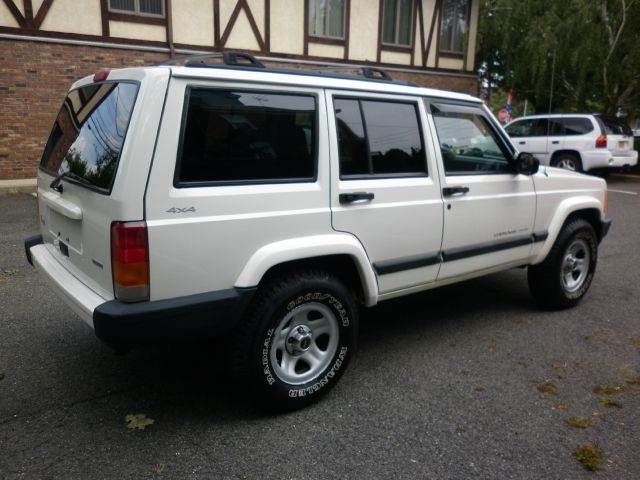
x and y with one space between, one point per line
89 132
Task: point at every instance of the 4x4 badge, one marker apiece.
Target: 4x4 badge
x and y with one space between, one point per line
181 210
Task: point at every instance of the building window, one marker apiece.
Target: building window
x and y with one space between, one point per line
454 26
397 18
152 8
326 18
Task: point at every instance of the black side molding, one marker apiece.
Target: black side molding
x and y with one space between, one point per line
31 242
605 226
406 263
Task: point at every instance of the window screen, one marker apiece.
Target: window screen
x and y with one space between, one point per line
138 7
379 138
247 136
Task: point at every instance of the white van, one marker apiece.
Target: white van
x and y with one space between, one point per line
221 197
578 142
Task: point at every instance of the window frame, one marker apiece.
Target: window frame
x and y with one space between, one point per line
225 183
379 176
453 53
503 143
396 44
314 37
136 11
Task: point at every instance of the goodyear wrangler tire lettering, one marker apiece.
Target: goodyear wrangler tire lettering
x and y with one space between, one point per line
304 328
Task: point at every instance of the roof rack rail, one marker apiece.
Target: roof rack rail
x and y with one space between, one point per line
235 59
372 73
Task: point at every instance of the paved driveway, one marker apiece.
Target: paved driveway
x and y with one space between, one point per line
469 381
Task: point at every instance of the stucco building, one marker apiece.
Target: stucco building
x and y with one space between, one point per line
47 44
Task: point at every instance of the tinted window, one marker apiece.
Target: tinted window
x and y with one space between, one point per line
468 144
576 125
615 126
89 132
520 128
379 138
239 136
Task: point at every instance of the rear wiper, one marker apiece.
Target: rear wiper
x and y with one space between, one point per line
57 186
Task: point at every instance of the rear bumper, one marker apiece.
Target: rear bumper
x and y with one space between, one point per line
123 325
630 159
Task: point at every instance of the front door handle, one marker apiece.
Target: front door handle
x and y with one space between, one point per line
450 191
522 143
556 142
355 197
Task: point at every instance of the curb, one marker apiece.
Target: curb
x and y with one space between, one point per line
27 185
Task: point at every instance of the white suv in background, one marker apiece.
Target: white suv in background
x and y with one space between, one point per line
578 142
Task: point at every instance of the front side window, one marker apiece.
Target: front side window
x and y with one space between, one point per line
468 144
396 22
89 132
378 138
326 18
154 8
454 26
520 128
233 136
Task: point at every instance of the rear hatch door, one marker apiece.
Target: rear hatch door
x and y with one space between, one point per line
92 173
619 136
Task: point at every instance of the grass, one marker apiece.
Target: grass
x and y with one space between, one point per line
589 456
579 422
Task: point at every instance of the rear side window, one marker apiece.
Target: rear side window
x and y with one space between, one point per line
381 138
233 136
615 126
576 125
535 127
89 132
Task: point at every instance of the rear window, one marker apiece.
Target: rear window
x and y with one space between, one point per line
89 132
615 126
233 136
576 125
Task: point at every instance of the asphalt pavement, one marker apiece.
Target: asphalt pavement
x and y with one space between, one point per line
467 381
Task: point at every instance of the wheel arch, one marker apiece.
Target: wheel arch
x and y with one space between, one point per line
565 151
339 254
587 208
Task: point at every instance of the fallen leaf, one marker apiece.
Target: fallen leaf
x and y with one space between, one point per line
599 389
159 468
138 421
607 402
2 375
492 345
589 456
579 422
547 389
560 406
635 341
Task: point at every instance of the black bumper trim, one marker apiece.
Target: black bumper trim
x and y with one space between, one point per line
123 325
32 242
604 229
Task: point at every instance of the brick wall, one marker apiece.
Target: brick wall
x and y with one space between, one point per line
35 76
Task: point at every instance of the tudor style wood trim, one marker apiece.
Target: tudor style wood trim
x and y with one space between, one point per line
305 48
423 60
42 13
243 5
216 24
17 15
28 14
347 28
169 16
104 14
267 25
432 30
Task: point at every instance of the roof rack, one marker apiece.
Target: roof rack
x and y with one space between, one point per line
246 60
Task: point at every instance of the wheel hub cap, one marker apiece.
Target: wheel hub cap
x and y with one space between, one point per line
575 265
299 340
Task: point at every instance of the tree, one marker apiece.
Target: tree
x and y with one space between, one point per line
588 47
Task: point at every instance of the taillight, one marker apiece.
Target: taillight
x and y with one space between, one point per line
130 261
601 142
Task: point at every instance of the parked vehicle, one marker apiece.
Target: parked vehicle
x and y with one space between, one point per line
267 205
577 142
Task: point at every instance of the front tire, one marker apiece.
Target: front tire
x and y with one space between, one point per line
566 274
296 341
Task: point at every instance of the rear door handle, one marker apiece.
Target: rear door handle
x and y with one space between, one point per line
450 191
355 197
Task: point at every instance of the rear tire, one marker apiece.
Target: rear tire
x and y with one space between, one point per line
568 161
296 341
566 274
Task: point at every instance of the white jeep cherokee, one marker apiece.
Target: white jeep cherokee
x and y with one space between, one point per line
228 198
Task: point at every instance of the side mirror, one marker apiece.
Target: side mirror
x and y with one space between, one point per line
527 164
